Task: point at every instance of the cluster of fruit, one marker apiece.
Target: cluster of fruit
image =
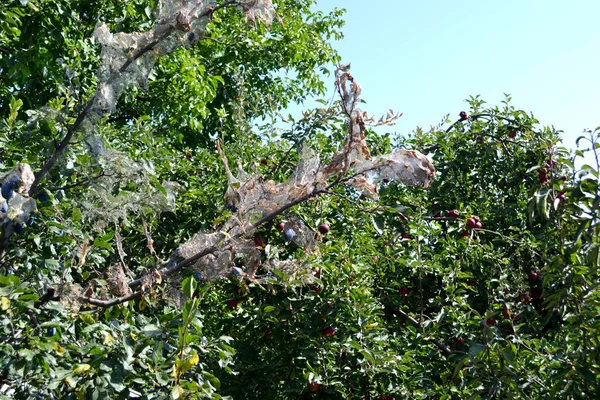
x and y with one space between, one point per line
289 234
9 188
545 173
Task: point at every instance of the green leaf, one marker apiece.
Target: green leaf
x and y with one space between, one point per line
542 203
377 224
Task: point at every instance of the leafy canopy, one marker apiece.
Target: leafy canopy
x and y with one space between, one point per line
405 296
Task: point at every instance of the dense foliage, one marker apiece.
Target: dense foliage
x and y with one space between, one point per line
484 285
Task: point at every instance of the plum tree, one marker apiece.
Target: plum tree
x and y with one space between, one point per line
162 261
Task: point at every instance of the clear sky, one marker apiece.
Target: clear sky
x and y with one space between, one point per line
423 58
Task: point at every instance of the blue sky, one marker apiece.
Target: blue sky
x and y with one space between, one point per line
423 58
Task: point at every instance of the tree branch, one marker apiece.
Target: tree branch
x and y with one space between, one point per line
167 271
84 113
113 302
62 147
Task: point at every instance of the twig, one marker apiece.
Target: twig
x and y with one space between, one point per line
119 242
436 146
300 139
80 183
150 241
447 352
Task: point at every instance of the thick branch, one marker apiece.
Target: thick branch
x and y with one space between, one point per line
224 245
167 271
113 302
62 147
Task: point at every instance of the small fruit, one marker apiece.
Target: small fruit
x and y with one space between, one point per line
478 225
4 207
533 276
237 271
512 134
231 207
280 226
464 233
472 282
198 276
453 214
403 291
328 331
50 332
490 322
315 288
407 236
563 178
324 229
233 303
506 312
471 223
317 273
314 386
561 196
264 162
259 241
463 116
288 234
505 290
542 176
526 298
7 191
